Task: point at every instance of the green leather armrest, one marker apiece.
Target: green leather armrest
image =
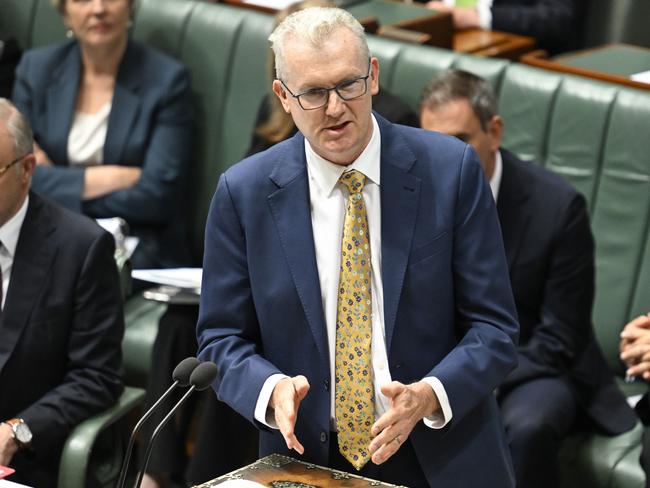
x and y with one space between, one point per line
79 445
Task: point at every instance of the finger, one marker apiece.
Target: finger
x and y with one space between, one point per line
392 389
301 386
635 351
387 450
638 369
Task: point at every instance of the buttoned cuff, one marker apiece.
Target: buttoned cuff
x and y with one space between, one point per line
443 416
262 413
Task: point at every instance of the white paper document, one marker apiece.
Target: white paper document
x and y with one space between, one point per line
643 76
187 278
274 4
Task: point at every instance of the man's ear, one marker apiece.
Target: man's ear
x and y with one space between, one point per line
281 93
28 164
374 76
495 131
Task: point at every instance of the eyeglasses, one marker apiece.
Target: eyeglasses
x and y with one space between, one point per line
6 167
315 98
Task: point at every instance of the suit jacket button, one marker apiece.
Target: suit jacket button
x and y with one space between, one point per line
323 436
326 383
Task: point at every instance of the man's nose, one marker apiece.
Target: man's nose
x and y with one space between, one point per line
335 104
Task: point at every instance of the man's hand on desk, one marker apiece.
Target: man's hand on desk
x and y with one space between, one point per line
464 17
409 405
285 400
8 446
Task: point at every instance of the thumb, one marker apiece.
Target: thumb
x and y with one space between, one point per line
393 389
301 385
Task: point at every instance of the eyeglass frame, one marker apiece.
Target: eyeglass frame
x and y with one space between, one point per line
6 167
334 88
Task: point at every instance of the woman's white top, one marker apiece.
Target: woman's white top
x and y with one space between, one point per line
87 137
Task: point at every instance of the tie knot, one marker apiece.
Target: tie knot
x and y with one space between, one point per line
354 180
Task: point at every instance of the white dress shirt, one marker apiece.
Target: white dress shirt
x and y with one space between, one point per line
328 201
9 233
87 137
495 181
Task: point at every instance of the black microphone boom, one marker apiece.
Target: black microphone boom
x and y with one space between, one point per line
200 379
181 376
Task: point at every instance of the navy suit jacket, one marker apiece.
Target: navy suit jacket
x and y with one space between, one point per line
557 25
61 329
448 306
550 252
150 126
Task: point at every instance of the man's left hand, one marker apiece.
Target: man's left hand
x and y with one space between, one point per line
8 446
409 405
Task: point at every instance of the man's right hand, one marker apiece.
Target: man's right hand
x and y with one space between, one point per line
285 400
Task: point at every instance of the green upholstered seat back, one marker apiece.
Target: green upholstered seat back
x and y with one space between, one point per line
17 20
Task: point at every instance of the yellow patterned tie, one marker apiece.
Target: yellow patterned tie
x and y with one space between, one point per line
354 404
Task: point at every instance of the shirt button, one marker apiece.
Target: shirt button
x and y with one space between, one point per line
323 436
382 366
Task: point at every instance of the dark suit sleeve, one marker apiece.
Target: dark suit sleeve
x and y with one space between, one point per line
565 315
92 381
152 199
486 319
228 330
549 21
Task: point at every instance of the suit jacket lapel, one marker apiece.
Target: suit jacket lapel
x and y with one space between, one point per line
513 214
29 275
290 207
125 106
61 102
400 194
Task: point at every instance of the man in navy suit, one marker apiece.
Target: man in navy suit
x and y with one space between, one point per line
443 328
562 373
61 319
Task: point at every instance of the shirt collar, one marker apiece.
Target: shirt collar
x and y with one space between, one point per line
326 174
10 231
495 181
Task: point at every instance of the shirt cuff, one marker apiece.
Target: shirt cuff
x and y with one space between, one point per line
443 416
484 9
262 405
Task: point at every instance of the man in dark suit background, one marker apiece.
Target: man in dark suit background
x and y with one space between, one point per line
402 216
550 251
61 319
556 25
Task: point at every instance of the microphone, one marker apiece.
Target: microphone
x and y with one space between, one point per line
181 376
200 379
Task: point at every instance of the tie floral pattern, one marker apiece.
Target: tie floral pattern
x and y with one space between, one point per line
354 406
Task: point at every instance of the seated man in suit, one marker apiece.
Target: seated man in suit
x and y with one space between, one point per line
635 353
61 318
550 251
355 292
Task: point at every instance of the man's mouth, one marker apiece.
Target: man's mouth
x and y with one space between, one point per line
337 128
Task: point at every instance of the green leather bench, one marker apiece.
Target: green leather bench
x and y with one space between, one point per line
594 134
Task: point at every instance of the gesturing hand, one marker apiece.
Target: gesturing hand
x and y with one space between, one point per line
285 400
409 404
635 347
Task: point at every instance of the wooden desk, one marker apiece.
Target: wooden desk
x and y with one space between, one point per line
417 24
494 44
281 471
613 63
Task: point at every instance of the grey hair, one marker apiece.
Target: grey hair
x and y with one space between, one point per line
314 25
456 84
18 127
